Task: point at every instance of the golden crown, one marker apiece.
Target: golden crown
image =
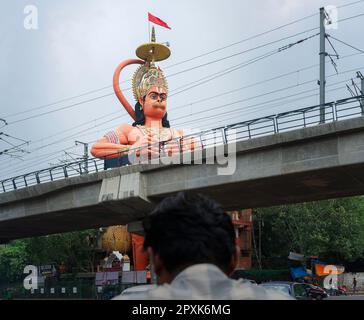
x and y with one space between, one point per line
148 75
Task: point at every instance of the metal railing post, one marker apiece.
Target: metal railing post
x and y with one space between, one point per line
79 165
224 137
339 109
332 111
65 172
304 118
335 108
276 123
202 145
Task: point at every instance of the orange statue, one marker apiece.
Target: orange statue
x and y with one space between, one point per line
150 136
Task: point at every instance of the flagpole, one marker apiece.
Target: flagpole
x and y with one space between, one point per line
149 30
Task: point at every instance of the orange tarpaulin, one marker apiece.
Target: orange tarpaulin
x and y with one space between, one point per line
140 257
325 270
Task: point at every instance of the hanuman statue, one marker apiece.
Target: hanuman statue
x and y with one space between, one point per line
150 134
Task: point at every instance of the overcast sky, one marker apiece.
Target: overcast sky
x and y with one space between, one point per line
79 43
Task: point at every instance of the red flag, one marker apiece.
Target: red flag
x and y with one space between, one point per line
158 21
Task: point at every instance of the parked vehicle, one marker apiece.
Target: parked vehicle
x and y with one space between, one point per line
294 289
316 292
339 291
343 290
248 281
138 289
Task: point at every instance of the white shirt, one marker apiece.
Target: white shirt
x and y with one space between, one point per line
206 282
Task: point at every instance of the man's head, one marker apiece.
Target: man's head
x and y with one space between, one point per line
189 229
149 83
154 103
150 89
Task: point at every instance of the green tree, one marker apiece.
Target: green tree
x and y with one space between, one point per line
13 259
330 229
74 249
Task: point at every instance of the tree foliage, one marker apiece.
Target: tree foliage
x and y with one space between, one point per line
13 258
74 249
330 229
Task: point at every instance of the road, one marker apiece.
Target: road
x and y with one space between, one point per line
349 297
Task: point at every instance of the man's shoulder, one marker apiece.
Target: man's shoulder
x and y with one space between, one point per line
158 293
242 290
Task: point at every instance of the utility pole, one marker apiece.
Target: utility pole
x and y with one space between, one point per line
322 64
361 77
85 153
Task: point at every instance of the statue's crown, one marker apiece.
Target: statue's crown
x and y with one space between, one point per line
146 77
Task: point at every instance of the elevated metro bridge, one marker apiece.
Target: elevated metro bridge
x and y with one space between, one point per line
280 159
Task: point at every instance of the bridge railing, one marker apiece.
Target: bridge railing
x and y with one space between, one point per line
282 122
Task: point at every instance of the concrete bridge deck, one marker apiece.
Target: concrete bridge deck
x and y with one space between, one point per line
320 162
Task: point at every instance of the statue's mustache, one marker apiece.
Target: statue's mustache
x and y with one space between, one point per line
158 105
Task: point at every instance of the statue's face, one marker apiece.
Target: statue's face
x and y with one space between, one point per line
155 103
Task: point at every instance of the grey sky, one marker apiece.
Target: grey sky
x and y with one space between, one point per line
79 44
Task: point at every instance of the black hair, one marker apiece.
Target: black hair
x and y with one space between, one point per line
188 229
140 118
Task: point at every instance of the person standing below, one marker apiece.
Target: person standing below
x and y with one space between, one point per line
354 285
191 243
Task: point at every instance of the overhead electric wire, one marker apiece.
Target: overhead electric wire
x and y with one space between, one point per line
176 64
73 128
204 118
351 17
59 101
293 85
350 4
345 43
87 129
46 160
201 100
254 111
74 134
239 101
110 94
88 133
66 99
241 52
246 39
77 133
277 104
241 65
213 51
62 108
212 77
